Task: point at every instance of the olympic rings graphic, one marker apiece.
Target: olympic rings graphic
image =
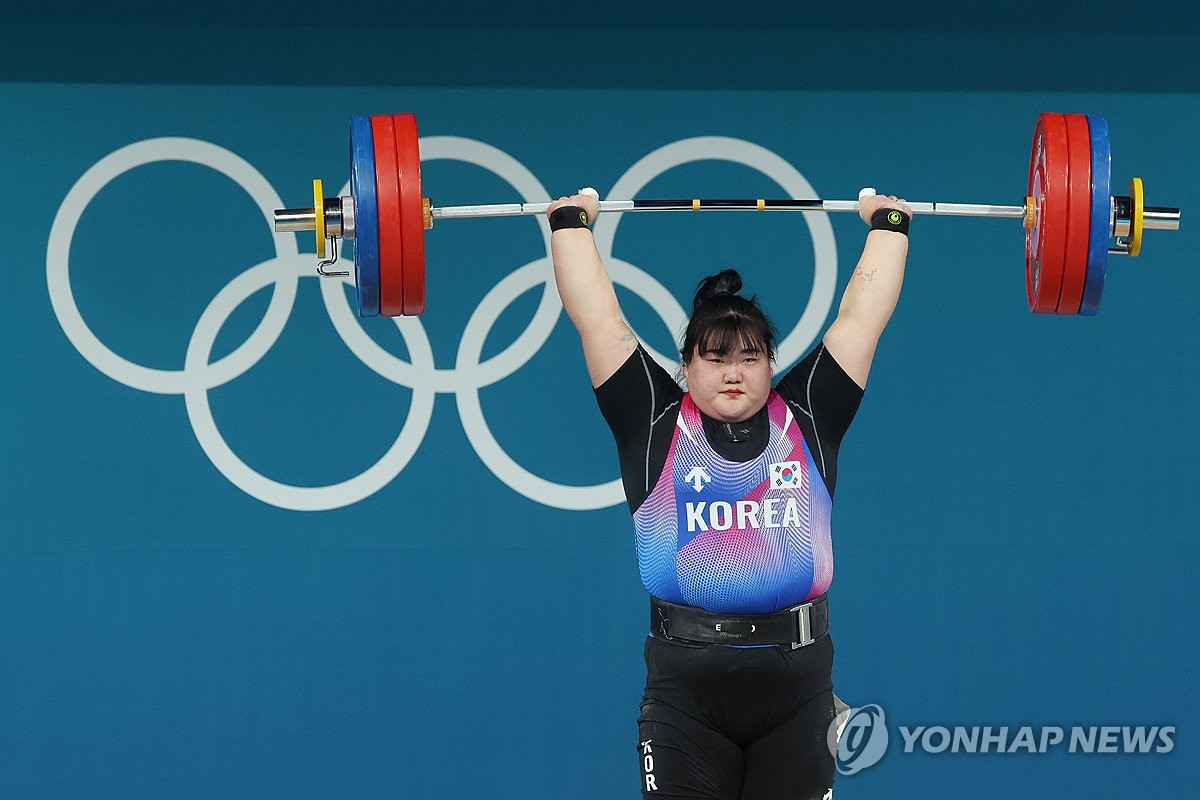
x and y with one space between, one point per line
200 374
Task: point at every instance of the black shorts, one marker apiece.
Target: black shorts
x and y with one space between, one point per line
729 723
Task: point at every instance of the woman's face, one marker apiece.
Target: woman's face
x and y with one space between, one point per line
730 387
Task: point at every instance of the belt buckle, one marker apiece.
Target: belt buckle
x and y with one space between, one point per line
803 625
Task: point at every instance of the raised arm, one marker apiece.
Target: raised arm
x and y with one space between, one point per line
871 295
587 292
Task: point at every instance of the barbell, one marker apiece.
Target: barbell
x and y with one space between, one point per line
1072 220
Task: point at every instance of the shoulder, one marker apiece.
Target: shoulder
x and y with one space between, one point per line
639 386
821 374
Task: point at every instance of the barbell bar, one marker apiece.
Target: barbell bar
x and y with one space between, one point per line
1072 221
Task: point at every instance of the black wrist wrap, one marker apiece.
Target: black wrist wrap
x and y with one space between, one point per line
890 219
568 217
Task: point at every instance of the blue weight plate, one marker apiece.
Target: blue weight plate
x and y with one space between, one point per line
366 220
1099 234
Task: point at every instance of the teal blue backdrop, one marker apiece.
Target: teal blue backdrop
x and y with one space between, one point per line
250 547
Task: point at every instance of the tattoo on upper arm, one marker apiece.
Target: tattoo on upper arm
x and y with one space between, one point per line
866 276
628 337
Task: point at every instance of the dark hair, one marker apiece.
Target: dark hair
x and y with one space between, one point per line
722 320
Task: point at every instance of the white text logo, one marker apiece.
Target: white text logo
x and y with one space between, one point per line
774 512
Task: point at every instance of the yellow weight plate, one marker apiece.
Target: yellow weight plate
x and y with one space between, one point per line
1137 211
319 212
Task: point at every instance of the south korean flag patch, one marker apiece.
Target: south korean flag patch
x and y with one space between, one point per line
785 475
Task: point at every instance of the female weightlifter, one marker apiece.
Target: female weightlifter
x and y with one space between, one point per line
730 483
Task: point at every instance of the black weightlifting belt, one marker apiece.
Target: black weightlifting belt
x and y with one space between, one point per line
797 626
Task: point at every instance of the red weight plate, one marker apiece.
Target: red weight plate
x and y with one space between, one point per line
387 187
1046 242
412 212
1079 213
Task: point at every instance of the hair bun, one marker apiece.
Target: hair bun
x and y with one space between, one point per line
726 281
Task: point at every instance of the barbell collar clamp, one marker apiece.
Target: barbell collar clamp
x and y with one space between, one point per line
338 218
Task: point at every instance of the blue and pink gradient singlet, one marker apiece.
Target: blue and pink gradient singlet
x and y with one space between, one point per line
744 537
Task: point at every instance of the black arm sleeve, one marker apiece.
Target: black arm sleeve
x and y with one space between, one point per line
824 400
636 402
